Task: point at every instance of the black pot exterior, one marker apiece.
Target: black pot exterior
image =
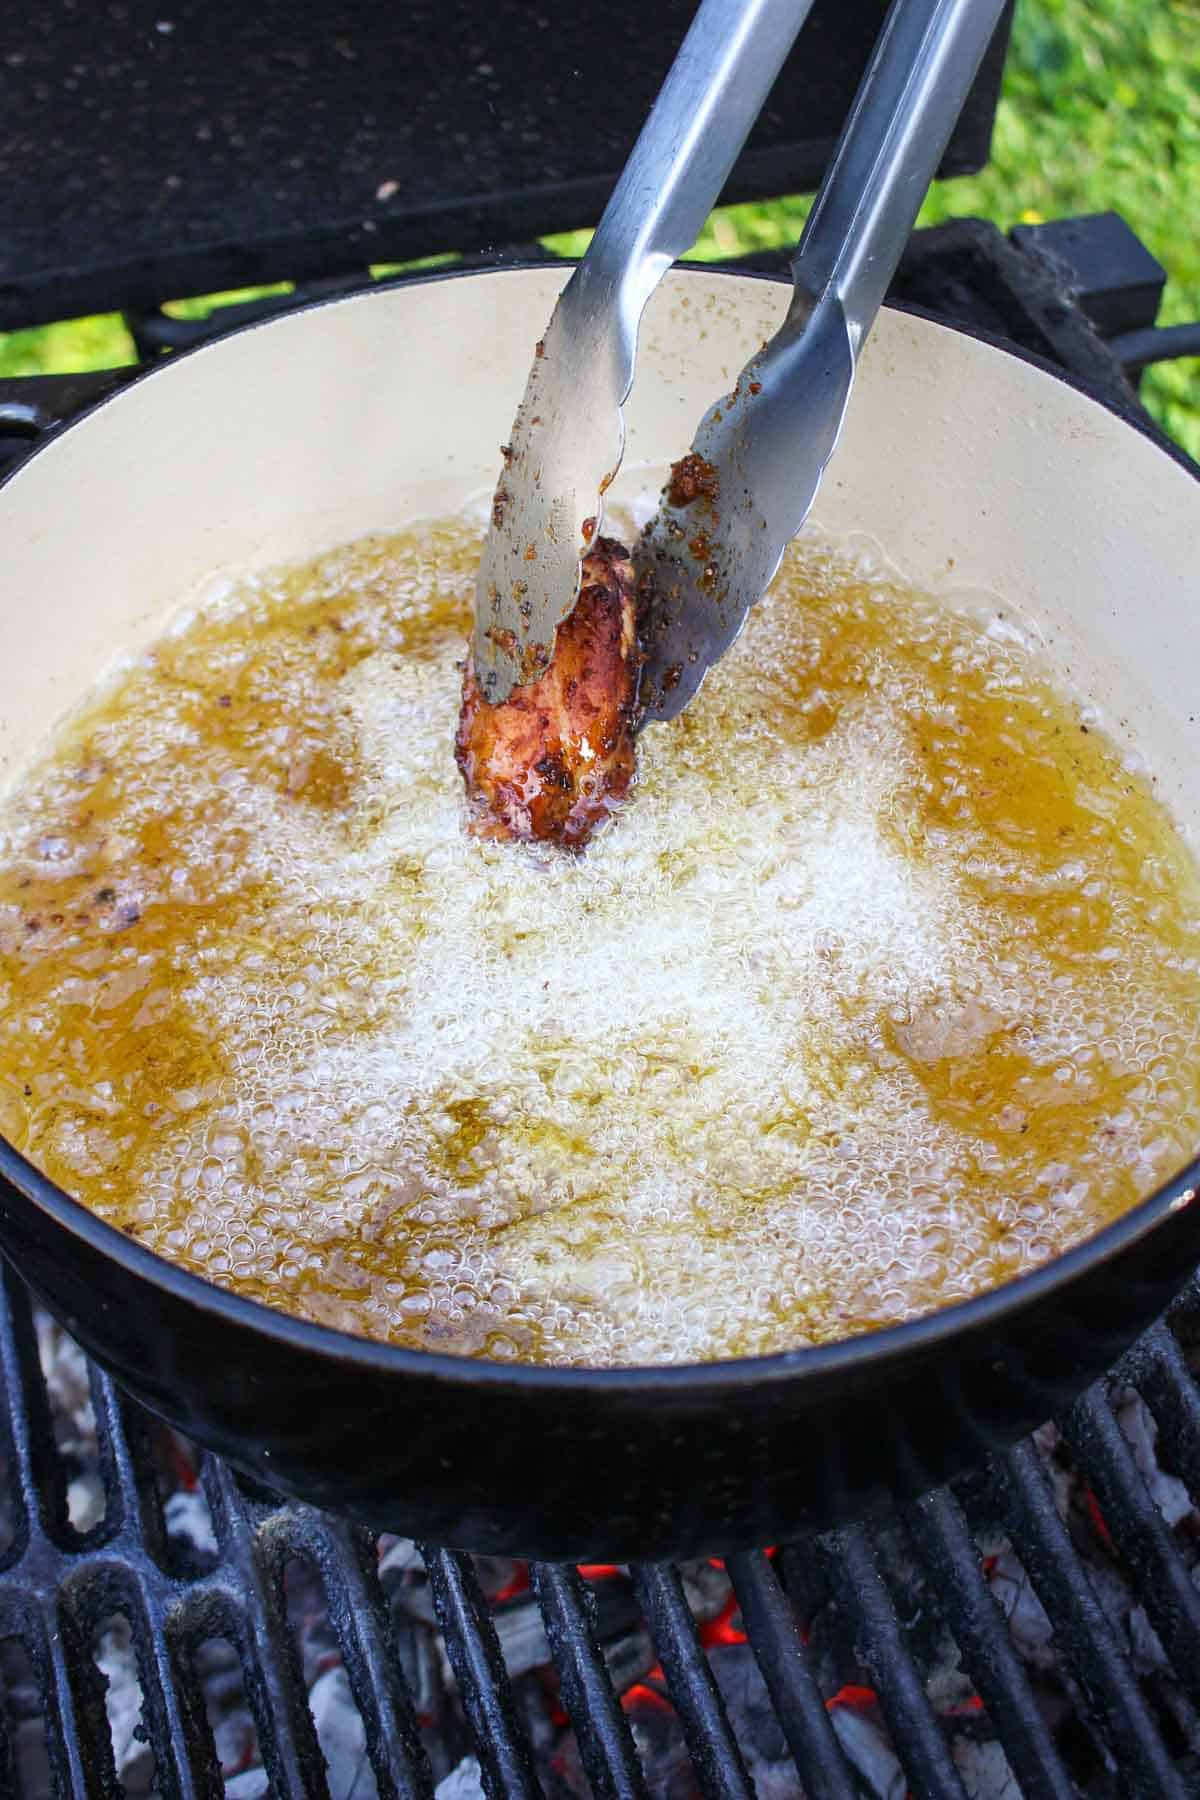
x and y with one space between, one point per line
594 1465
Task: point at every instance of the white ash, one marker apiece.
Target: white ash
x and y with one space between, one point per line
65 1372
398 1555
948 1684
662 1753
251 1784
772 1780
1138 1424
984 1771
869 1753
1063 1481
186 1516
463 1783
761 1736
705 1587
342 1737
522 1637
1014 1594
117 1662
628 1659
218 1669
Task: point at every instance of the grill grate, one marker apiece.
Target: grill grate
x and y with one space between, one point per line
59 1586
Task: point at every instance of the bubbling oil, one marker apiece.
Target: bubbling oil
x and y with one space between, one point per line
881 990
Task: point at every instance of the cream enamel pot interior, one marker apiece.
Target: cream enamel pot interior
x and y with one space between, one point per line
975 471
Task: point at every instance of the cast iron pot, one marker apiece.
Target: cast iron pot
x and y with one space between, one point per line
973 469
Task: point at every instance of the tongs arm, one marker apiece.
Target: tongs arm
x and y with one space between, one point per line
767 445
701 118
894 138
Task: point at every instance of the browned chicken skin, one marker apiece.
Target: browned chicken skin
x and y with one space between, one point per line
554 759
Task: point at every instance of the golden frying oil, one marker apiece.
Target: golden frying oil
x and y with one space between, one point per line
882 989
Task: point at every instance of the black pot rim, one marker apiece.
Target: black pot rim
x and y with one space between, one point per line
913 1338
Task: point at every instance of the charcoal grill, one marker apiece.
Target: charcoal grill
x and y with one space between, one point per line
896 1627
1038 1624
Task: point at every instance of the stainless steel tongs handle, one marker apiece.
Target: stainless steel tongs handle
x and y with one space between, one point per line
702 116
768 444
892 142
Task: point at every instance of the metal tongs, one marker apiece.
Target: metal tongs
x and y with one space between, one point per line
704 561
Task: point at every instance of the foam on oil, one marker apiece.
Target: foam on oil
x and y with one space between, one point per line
882 989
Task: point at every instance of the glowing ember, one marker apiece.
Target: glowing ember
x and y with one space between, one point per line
1097 1518
722 1629
642 1694
517 1584
852 1696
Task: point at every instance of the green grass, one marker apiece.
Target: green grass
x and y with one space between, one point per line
1100 108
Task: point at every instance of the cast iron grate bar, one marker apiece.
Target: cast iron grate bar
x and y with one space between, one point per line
964 270
773 1633
291 1754
48 1654
44 1500
187 1625
167 1719
348 1566
601 1729
1138 1530
18 1426
861 1592
1157 1367
939 1530
1086 1638
474 1649
712 1746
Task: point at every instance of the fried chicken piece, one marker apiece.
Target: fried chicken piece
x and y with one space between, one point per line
554 759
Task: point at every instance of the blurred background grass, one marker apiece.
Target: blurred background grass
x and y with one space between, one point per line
1100 109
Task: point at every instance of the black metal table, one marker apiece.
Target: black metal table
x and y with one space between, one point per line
158 148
